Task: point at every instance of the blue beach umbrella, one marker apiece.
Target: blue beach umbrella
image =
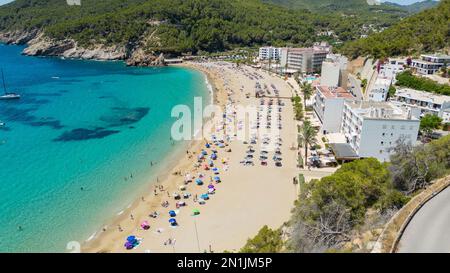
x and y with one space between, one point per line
172 213
216 178
199 181
172 221
204 196
131 238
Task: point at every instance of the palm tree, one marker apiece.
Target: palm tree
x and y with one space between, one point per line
306 88
307 92
307 136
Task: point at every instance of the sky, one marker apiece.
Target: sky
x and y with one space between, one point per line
403 2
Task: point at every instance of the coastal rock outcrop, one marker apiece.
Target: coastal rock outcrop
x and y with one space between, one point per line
42 45
140 58
39 44
18 37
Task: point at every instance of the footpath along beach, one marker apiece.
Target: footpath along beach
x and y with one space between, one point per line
252 184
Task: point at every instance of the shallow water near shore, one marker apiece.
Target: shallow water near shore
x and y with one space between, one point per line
77 148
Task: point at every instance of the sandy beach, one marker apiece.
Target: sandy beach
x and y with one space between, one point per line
248 196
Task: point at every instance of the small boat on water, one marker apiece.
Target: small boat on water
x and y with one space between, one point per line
2 124
8 95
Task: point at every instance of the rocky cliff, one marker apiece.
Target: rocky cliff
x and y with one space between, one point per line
38 44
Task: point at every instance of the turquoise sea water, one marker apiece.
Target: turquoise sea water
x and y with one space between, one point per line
76 149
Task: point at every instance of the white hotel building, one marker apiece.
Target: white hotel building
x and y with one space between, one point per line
391 68
430 64
328 106
334 71
269 53
380 89
372 128
421 103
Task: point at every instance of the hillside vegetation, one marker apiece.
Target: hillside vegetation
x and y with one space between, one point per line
416 7
174 26
427 31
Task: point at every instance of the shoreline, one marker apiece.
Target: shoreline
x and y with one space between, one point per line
163 175
239 184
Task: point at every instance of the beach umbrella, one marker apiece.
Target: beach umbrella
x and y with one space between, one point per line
145 225
216 178
204 196
204 152
211 191
173 222
199 182
129 245
131 238
195 212
215 169
210 186
213 156
207 145
172 213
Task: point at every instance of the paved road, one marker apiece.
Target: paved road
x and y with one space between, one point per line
355 85
429 230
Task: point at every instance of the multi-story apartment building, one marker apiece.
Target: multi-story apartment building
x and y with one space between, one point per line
430 64
372 129
334 71
391 68
269 53
380 89
305 60
328 106
422 103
